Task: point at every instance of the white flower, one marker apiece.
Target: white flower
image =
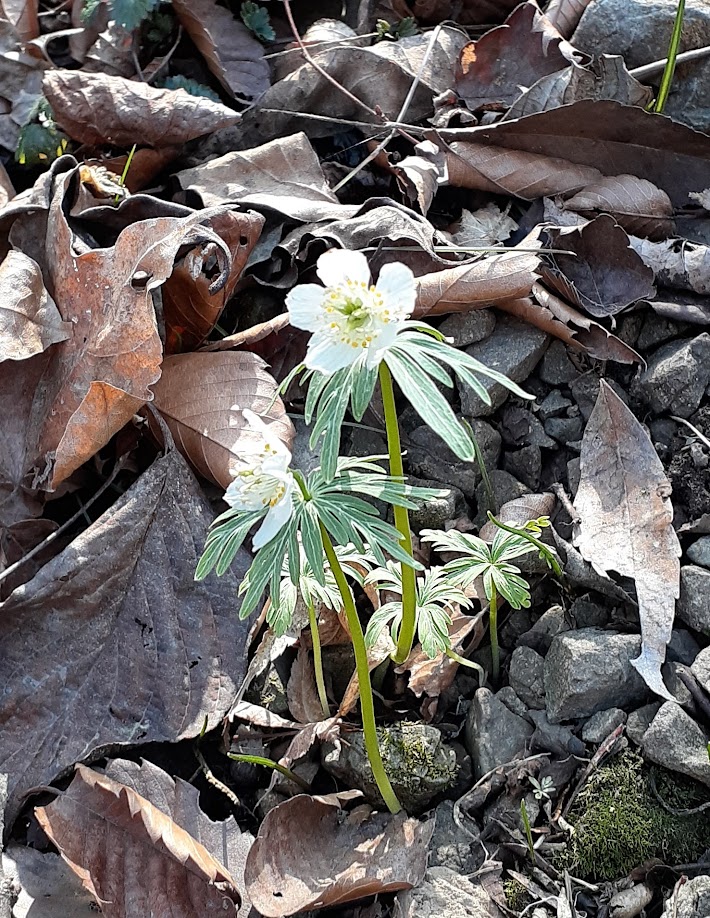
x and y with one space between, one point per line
264 482
350 316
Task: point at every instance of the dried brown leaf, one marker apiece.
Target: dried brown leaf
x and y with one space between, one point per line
470 286
22 15
190 304
486 226
565 14
230 50
250 337
301 693
605 77
29 319
7 192
420 174
521 510
511 57
113 641
677 263
604 274
626 516
308 855
97 109
638 206
606 136
111 837
201 397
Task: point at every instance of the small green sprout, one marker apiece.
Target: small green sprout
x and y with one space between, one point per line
543 790
256 19
40 141
405 28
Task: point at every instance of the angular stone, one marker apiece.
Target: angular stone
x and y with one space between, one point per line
519 427
555 738
601 724
556 367
676 377
701 668
436 511
526 675
525 465
693 606
690 900
469 327
514 349
511 701
588 614
565 430
699 552
675 741
450 845
553 405
640 720
505 488
589 670
494 735
682 647
445 892
585 390
429 457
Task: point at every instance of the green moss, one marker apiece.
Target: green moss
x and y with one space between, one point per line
516 896
418 763
619 823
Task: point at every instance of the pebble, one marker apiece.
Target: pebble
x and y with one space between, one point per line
494 735
588 614
556 368
525 465
445 892
699 552
553 405
469 327
675 741
701 668
565 430
526 675
435 512
676 377
693 606
690 899
640 720
601 724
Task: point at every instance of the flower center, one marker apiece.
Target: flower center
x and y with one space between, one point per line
262 487
354 311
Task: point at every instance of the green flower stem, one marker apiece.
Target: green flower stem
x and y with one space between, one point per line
541 547
493 623
270 763
367 704
669 70
462 661
318 659
408 627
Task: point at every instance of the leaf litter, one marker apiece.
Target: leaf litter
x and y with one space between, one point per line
143 311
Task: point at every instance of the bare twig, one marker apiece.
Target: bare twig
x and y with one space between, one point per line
604 749
215 782
567 505
652 69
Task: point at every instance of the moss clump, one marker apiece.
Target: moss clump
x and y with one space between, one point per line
619 823
516 896
418 763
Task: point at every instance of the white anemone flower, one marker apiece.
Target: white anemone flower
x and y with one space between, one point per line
350 317
264 482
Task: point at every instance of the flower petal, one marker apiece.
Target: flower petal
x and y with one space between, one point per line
398 288
304 304
337 265
274 521
236 497
326 354
384 340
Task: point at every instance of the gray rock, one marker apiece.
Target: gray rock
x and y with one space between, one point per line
505 487
676 377
676 742
512 701
585 390
663 432
436 511
639 30
526 674
445 892
690 899
682 647
519 427
701 668
675 685
430 458
656 329
418 764
601 724
693 606
699 552
640 720
469 327
556 368
494 735
555 403
450 845
514 348
565 430
587 671
550 624
574 474
303 457
588 614
526 465
555 738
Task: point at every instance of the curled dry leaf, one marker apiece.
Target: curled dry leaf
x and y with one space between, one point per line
605 77
565 14
604 274
677 263
486 226
511 57
230 50
113 641
111 836
29 319
626 523
470 286
309 855
594 136
191 305
96 109
421 173
201 397
638 206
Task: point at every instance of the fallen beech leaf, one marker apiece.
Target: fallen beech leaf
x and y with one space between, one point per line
301 693
322 32
309 855
623 502
250 336
601 136
677 263
22 14
460 289
191 309
565 14
421 173
96 109
29 319
110 836
636 205
284 175
511 57
605 77
230 50
604 274
201 396
486 226
113 641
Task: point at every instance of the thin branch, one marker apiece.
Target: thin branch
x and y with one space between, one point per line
214 781
657 66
